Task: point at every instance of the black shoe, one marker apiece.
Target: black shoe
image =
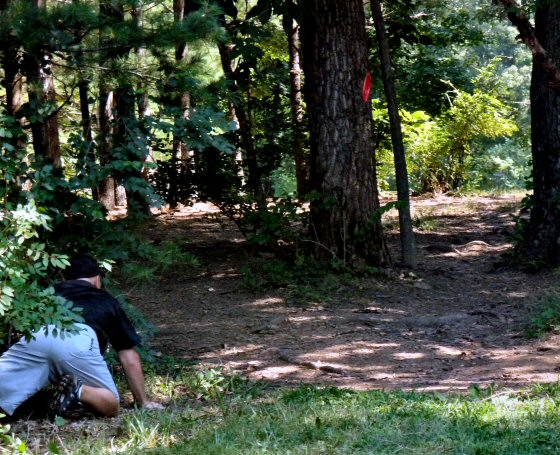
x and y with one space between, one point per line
65 397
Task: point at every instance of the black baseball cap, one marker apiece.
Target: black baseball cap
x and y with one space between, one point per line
83 266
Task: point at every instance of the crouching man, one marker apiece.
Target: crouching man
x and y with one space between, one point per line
75 364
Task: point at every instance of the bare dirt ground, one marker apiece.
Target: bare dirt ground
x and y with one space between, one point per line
457 321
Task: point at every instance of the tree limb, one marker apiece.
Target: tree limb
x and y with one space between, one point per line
520 19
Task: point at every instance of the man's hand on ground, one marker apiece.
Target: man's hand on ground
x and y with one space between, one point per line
153 405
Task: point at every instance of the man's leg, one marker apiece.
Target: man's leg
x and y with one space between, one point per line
24 370
84 362
102 401
70 391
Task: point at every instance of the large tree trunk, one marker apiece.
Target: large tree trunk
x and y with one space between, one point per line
544 235
408 244
345 219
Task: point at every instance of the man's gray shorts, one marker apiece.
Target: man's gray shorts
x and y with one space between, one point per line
28 366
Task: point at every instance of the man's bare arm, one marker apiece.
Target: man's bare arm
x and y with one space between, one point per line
132 366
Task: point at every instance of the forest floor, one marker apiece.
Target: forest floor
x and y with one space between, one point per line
458 320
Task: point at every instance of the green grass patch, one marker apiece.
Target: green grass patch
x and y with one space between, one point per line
545 316
212 413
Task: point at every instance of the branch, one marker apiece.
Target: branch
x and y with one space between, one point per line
527 34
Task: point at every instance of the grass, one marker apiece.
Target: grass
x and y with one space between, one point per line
211 413
545 317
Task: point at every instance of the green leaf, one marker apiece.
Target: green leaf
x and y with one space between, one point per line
6 290
59 421
262 10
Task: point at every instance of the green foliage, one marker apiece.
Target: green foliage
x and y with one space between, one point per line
150 262
9 443
441 162
13 158
450 151
264 274
278 222
449 40
302 279
503 166
284 179
415 126
545 316
212 384
211 173
425 223
26 302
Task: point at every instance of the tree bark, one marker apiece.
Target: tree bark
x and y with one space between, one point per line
106 191
345 218
37 68
296 103
408 244
544 226
181 160
111 14
245 127
12 81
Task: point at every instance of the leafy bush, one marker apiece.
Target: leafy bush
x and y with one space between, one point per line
465 146
503 166
441 161
13 158
26 301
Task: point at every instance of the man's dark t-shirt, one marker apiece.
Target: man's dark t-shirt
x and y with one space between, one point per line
102 312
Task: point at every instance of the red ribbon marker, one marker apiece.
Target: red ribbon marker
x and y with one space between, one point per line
367 87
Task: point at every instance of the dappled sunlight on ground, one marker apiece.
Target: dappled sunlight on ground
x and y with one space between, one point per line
455 321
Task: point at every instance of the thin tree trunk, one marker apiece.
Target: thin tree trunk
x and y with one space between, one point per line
38 70
106 190
13 86
140 101
87 133
245 127
296 103
125 104
408 244
181 161
12 81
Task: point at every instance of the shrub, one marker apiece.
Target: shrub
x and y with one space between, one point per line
26 301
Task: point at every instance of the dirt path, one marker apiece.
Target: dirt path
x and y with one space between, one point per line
457 321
